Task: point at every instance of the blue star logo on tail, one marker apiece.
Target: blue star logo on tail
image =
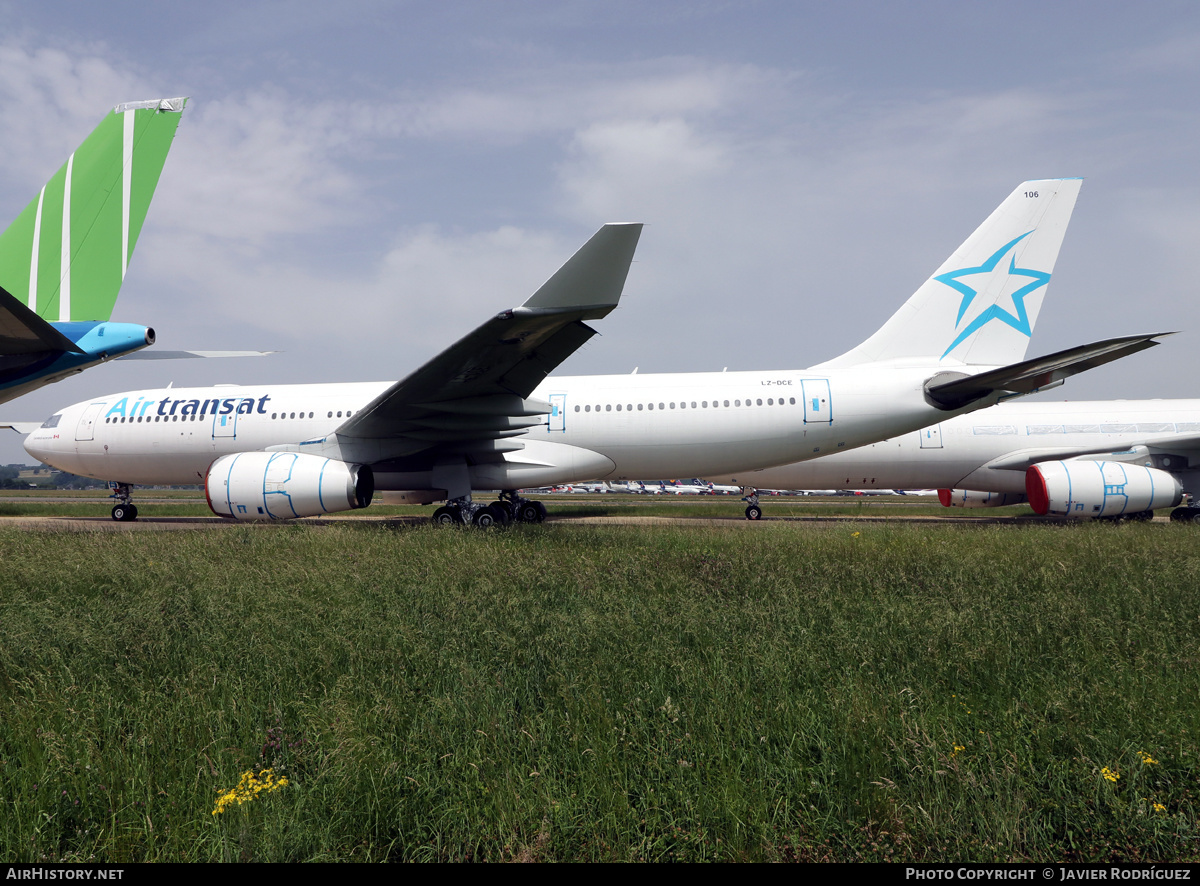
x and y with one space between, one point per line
1019 320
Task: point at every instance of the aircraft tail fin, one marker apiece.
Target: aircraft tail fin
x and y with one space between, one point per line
981 305
66 254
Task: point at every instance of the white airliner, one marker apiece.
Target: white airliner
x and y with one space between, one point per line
484 415
1117 458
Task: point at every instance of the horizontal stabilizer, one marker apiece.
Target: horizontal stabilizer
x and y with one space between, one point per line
1030 375
24 428
22 332
185 355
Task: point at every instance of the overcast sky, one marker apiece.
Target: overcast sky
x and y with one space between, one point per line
359 184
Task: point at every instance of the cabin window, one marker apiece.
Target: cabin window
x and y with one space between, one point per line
672 405
737 402
618 407
639 407
608 407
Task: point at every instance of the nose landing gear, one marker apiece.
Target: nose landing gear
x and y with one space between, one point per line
125 511
753 509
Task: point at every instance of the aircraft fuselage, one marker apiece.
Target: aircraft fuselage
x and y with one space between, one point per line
615 427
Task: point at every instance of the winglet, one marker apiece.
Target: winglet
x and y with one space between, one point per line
592 279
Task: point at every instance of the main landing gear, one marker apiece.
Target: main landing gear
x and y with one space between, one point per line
753 509
124 511
507 509
1186 515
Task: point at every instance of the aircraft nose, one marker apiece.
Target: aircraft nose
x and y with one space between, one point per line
37 447
45 443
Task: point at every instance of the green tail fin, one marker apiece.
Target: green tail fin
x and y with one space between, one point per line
66 254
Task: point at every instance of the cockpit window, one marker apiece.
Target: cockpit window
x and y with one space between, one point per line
52 421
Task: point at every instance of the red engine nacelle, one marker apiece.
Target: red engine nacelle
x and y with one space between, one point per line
970 498
1087 489
284 485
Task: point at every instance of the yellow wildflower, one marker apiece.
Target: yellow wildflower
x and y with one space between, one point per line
248 787
1147 759
1109 774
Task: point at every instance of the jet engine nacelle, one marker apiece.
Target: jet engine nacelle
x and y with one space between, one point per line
971 498
283 485
1087 489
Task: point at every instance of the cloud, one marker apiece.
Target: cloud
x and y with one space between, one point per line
49 100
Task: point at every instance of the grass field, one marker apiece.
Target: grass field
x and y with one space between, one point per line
843 691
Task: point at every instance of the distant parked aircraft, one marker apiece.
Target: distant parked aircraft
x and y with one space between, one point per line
1075 459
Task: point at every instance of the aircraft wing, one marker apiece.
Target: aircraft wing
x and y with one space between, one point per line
475 390
1023 459
1030 375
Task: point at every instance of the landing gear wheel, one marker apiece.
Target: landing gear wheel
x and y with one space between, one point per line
124 513
530 512
484 518
753 512
1185 515
541 511
446 516
500 513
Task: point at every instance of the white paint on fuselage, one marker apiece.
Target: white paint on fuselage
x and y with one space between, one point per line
969 443
164 439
